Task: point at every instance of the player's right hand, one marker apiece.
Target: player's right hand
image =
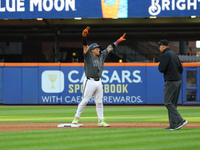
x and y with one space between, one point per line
85 31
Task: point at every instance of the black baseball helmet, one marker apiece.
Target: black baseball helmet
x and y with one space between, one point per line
93 46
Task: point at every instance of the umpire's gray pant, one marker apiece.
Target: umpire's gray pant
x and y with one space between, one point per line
171 95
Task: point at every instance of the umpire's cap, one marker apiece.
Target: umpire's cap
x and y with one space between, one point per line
164 42
93 46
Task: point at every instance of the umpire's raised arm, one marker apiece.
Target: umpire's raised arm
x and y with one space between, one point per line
113 45
84 34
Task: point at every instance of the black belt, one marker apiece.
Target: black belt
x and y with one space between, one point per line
95 79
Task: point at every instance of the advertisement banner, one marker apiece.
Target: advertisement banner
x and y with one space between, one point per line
121 85
55 9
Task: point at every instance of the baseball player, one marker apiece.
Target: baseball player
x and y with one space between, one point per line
93 61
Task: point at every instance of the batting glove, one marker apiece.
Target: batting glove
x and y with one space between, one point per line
85 31
121 38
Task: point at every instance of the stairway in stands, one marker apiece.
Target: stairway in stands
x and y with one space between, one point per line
138 52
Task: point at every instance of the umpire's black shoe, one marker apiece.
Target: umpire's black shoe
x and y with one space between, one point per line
181 124
169 128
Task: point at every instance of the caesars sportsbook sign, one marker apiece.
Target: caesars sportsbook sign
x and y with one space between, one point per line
120 86
32 9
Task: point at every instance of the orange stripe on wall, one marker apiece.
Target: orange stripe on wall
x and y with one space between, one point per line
191 64
72 64
152 64
20 64
124 64
195 64
49 64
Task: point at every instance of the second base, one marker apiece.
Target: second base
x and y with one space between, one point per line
70 125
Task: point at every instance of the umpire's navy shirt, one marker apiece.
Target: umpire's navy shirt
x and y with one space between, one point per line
170 65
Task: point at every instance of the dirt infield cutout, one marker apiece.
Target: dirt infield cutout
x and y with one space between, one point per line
9 127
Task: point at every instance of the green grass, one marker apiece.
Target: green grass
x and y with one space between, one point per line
101 138
98 139
111 113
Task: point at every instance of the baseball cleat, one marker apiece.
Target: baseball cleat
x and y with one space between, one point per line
75 121
103 124
180 125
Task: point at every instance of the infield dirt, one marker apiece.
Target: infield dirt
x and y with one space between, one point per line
9 127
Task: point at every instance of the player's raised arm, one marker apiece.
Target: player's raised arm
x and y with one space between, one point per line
113 45
85 45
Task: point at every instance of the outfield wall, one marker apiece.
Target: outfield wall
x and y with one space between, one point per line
61 83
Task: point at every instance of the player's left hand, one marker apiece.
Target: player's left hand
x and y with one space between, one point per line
122 38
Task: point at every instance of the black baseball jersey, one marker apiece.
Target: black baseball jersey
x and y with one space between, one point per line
94 65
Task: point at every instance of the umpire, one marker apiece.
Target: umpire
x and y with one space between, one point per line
172 69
